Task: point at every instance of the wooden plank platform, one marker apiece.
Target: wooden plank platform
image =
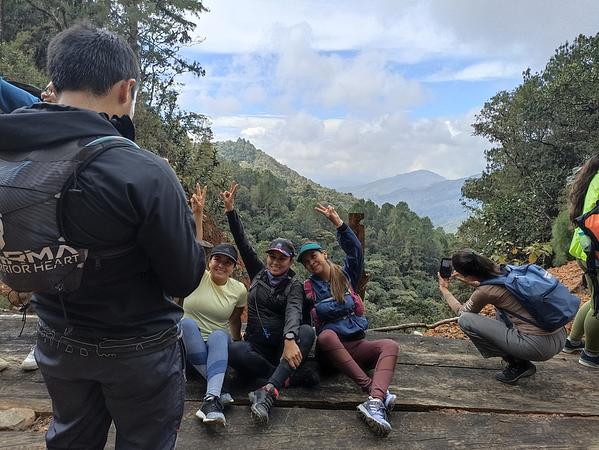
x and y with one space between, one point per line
447 398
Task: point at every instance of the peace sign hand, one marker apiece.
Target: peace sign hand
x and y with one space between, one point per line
228 197
198 200
330 213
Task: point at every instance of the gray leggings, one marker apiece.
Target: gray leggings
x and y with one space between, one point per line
493 338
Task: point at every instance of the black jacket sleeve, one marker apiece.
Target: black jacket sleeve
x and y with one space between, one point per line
293 310
132 195
252 262
167 230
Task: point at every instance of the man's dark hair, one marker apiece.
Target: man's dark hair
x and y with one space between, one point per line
86 58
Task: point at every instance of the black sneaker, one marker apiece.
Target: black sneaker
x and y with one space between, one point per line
569 347
513 372
305 376
211 411
262 401
589 361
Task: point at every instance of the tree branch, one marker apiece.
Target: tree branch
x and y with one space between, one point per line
47 13
415 325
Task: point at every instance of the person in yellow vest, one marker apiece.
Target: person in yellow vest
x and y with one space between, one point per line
584 336
217 304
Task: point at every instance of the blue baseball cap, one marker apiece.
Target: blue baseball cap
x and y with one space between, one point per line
306 248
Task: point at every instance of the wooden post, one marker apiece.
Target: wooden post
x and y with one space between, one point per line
358 228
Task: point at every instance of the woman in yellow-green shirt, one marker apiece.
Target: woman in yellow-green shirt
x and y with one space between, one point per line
584 195
217 304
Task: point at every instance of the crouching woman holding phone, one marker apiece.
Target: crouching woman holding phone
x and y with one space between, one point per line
513 335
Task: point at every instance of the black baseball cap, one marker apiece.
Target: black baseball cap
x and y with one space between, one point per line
225 249
284 246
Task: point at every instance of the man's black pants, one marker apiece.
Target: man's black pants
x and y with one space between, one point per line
143 394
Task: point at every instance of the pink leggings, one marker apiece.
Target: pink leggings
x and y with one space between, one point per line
353 357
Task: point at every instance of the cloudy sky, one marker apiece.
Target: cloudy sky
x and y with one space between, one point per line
346 91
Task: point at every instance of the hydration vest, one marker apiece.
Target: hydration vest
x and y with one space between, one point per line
35 255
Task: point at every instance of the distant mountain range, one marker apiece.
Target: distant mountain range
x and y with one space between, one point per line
426 193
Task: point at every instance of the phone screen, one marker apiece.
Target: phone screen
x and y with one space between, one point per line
446 268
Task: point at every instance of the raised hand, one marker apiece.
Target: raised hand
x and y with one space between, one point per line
228 197
330 213
443 282
19 299
198 200
49 94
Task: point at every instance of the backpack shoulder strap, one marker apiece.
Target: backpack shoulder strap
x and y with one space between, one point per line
308 289
499 280
503 315
86 155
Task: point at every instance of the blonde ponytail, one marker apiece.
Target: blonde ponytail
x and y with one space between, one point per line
338 282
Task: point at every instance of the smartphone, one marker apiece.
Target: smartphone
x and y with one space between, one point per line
446 268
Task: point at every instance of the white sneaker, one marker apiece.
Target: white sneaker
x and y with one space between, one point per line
29 363
226 399
390 401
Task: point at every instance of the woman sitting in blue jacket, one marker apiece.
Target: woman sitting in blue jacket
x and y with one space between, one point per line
338 314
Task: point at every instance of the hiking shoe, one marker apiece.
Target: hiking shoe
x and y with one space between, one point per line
374 413
304 376
29 363
226 399
211 411
389 401
572 348
262 401
589 361
513 372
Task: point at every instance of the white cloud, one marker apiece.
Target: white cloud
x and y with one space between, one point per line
298 77
415 30
486 70
252 132
363 84
364 149
322 86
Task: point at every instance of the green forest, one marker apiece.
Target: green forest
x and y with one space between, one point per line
538 133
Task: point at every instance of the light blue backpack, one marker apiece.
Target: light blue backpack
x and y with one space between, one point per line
548 301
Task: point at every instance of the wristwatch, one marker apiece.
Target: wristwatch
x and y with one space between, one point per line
290 336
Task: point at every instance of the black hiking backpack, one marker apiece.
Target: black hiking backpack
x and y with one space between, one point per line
34 253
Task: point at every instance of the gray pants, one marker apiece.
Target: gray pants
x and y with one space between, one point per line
144 395
493 338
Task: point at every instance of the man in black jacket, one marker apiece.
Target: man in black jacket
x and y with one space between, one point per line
109 350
